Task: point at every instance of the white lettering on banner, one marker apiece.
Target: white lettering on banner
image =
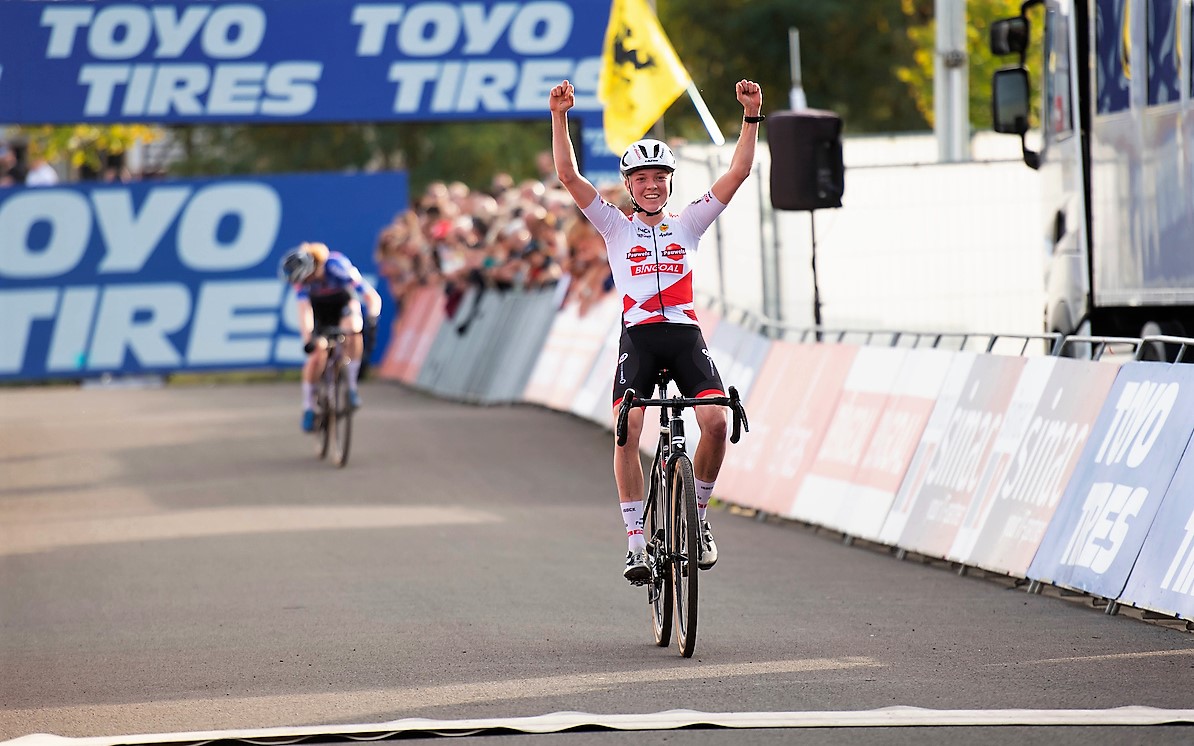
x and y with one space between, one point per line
193 89
68 217
791 446
894 434
1140 415
258 211
489 85
131 236
1180 576
19 309
137 320
433 29
122 32
1104 524
956 463
843 443
1035 474
234 322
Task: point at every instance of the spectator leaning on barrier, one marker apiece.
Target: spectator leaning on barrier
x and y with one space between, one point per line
649 255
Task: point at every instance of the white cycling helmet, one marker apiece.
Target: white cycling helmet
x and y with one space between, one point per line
647 154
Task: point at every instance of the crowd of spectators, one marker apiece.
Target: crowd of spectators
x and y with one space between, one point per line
17 169
513 235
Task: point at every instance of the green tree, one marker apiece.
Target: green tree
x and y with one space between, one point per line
83 145
466 151
918 72
850 57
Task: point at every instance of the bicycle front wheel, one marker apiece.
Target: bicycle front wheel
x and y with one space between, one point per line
343 408
685 549
323 419
659 590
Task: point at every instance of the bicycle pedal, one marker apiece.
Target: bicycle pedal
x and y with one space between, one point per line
640 582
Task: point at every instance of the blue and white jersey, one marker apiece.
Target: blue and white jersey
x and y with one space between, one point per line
339 278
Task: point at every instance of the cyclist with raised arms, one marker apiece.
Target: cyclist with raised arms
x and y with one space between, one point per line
329 292
649 255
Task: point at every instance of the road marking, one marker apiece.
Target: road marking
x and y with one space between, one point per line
25 538
887 717
1106 657
348 706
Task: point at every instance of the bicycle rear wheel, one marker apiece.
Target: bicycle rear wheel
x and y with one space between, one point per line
685 548
343 409
659 590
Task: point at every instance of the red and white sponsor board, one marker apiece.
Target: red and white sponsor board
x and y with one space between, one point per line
790 405
939 488
413 334
892 442
568 353
830 481
593 399
1048 423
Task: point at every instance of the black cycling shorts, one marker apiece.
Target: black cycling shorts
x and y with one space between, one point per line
645 350
330 309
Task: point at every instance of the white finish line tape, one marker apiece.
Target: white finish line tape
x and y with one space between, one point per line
887 717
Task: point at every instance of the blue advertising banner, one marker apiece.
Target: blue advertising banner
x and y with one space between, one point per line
271 61
1163 577
170 276
287 60
1117 487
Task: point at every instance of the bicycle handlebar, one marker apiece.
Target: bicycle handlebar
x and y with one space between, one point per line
733 401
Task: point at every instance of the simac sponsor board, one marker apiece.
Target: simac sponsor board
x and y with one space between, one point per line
161 277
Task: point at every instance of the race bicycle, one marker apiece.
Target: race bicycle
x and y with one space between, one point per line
333 407
670 512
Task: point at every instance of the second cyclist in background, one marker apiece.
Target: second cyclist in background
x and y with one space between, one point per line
329 292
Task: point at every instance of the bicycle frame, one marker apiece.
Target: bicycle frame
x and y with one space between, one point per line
673 545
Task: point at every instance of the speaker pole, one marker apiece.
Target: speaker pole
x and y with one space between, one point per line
812 224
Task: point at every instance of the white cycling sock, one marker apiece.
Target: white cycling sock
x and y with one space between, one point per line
354 372
308 395
704 492
632 516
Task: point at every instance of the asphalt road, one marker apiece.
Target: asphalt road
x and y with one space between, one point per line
177 559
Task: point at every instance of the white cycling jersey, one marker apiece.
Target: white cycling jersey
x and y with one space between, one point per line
650 264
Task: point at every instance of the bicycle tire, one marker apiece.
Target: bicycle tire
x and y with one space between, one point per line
685 549
323 418
343 408
659 590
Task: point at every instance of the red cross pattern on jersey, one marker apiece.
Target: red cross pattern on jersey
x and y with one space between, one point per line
651 264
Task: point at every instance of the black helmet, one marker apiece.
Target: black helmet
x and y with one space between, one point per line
296 266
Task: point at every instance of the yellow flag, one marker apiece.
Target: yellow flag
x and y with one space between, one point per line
640 73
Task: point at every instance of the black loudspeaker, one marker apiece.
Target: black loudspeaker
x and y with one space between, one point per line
807 172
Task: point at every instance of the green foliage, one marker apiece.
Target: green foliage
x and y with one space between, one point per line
83 144
918 72
462 151
850 54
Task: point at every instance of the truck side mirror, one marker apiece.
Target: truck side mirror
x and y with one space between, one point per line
1009 108
1009 36
1009 100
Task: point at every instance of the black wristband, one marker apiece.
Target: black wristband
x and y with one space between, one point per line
754 120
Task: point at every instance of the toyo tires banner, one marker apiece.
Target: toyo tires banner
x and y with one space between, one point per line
163 277
287 60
